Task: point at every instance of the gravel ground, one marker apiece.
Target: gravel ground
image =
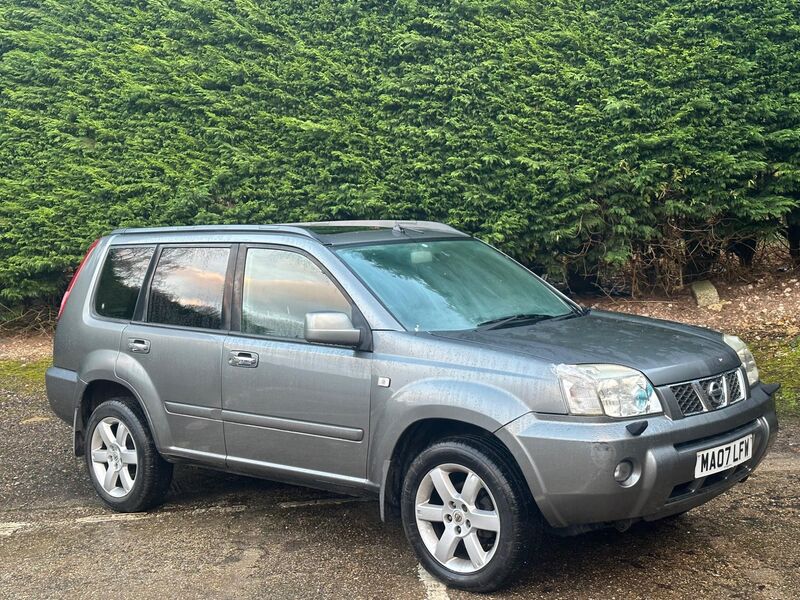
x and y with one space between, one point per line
225 536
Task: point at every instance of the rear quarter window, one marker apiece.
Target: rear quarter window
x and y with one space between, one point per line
120 281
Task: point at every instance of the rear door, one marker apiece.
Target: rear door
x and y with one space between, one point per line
174 349
290 406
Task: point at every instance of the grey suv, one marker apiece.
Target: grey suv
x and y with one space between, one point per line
402 359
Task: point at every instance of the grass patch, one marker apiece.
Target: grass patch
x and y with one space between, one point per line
779 362
23 376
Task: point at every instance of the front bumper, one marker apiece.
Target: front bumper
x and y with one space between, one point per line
569 462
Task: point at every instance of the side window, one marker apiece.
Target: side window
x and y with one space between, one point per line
280 287
120 281
188 285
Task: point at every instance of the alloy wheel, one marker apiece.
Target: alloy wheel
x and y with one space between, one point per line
114 457
457 518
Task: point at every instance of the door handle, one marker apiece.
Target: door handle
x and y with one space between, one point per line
237 358
139 346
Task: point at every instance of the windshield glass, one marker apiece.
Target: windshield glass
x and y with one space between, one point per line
451 284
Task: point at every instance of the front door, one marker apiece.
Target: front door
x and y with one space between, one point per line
291 407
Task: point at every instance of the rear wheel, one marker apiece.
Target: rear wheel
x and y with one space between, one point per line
124 465
467 514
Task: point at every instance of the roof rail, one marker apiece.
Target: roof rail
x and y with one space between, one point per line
211 228
383 223
303 229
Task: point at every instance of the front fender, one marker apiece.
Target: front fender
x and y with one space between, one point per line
479 404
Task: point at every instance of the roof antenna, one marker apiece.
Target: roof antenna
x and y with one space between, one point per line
403 230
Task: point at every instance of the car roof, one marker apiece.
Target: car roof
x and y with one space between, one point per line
332 233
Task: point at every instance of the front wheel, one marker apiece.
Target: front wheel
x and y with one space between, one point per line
468 515
124 465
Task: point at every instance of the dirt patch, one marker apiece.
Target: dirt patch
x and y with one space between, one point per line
767 307
22 347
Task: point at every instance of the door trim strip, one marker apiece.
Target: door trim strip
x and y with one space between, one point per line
192 410
349 434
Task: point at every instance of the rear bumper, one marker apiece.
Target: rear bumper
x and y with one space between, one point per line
569 463
61 388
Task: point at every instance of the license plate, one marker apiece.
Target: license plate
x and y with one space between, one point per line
724 457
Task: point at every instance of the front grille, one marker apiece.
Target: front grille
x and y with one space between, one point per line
688 400
734 385
711 393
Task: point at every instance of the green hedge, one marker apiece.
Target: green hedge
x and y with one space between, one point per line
575 135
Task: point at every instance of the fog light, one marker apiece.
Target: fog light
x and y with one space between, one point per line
623 471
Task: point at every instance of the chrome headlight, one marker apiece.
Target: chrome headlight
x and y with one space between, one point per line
748 361
612 390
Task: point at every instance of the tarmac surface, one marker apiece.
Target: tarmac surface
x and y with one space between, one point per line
225 536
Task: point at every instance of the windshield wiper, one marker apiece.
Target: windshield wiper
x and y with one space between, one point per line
501 322
512 319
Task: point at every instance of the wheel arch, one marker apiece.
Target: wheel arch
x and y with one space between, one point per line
415 438
447 404
94 393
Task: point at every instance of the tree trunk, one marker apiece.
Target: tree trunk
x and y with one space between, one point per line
793 234
745 249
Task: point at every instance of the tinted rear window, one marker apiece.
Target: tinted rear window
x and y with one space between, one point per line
188 285
121 280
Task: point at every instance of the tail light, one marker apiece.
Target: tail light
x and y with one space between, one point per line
75 277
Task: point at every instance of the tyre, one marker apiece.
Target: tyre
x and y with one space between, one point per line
468 515
125 468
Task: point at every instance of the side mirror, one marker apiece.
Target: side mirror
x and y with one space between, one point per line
331 328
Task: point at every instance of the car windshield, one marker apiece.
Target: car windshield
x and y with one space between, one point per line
450 285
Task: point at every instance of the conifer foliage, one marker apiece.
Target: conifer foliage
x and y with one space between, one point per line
586 136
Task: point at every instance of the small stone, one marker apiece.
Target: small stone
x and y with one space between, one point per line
705 294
